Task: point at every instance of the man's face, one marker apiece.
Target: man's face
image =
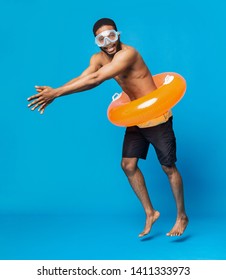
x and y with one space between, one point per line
112 47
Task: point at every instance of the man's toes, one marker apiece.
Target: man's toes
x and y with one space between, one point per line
172 234
143 234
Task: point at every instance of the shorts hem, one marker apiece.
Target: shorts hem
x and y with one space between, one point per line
168 164
133 156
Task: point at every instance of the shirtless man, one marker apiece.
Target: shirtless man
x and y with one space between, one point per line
124 64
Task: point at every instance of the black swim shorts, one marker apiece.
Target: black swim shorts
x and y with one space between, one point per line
137 141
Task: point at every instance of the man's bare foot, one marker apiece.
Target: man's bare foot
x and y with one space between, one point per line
179 227
149 222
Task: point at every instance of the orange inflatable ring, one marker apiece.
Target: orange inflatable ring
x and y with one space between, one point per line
170 89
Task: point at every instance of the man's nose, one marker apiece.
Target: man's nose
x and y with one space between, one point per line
107 41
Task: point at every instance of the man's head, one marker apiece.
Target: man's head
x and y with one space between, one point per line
106 36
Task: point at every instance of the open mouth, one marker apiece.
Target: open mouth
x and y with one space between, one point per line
110 48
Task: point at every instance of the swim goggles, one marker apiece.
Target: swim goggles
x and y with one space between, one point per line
106 37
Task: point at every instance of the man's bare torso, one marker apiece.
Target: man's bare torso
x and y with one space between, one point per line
136 80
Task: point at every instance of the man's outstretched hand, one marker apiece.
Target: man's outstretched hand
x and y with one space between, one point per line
42 99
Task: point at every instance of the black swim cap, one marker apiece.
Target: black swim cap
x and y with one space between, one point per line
102 22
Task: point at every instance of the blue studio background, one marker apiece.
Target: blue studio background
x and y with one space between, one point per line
63 194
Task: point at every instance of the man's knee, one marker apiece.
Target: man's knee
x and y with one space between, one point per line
169 170
129 165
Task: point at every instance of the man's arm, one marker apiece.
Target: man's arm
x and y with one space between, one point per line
120 63
86 81
94 66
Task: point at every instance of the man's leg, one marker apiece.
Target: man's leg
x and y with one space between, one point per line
178 192
136 180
